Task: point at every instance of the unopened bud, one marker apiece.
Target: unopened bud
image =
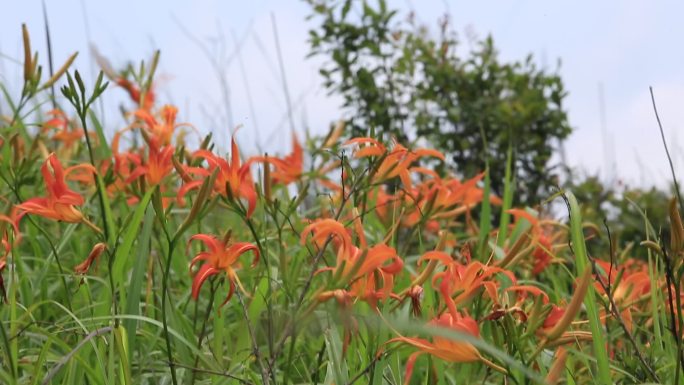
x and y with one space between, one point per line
84 266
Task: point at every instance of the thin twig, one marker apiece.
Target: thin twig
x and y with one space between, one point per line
669 272
55 369
283 78
208 371
291 324
207 312
615 311
255 345
368 368
667 151
48 42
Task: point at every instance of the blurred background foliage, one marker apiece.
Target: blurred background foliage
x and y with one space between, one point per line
398 80
403 80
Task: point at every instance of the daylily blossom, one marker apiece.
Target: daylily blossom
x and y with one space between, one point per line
135 93
157 166
395 163
162 130
66 132
446 198
369 271
60 201
121 80
554 330
233 179
287 169
222 257
460 282
634 285
541 238
445 348
5 246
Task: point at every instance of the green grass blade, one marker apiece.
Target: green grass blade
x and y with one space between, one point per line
581 262
485 217
102 147
135 285
507 199
132 229
107 210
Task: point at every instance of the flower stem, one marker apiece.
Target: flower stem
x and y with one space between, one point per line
167 337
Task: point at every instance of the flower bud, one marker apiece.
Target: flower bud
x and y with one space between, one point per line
84 266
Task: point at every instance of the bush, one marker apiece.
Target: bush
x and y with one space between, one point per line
398 81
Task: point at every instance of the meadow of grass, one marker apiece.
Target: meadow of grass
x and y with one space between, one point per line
138 258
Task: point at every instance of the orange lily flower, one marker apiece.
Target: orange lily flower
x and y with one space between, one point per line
288 169
634 285
369 272
158 164
5 246
396 162
459 282
61 123
233 176
162 131
60 201
542 237
132 89
221 257
444 348
440 198
134 92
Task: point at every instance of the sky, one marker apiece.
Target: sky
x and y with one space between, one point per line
616 49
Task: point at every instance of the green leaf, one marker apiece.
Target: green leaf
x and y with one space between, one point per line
103 147
124 249
135 284
581 262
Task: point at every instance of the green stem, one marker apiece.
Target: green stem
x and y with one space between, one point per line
167 336
204 328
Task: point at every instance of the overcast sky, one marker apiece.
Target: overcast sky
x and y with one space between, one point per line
626 46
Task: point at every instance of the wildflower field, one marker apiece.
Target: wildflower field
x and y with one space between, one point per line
134 255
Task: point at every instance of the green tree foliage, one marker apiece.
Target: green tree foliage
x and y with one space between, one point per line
397 80
622 208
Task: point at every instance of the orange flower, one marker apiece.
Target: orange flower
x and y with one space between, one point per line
396 162
634 285
162 131
440 198
459 282
60 201
61 123
158 164
221 257
368 271
95 252
288 169
233 176
134 93
542 237
5 246
447 349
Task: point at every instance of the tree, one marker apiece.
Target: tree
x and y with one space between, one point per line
398 81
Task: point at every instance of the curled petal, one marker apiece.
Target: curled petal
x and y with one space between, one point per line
210 241
240 248
438 256
204 272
